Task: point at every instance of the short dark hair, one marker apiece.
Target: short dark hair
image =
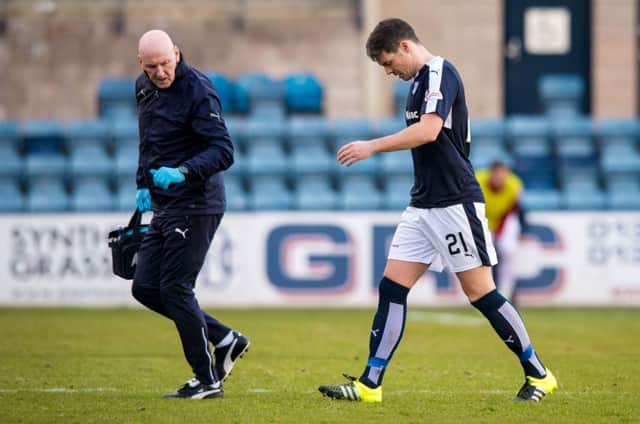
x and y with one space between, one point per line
387 35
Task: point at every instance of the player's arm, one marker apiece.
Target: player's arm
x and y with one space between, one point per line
424 131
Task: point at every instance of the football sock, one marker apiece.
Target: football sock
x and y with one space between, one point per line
506 321
386 331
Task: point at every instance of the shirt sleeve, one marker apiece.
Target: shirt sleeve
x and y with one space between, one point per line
208 125
442 90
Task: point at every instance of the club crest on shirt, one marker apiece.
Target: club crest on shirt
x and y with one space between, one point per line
433 95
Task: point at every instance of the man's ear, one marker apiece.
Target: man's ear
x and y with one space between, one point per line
404 46
176 50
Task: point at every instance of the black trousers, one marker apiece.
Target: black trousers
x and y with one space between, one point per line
169 260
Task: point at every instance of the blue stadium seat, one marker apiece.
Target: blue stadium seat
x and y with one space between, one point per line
237 128
237 199
225 88
574 141
308 139
488 143
265 147
12 198
303 93
623 191
125 198
581 189
314 192
126 140
399 161
259 95
43 137
91 194
561 94
400 92
47 194
619 156
344 131
117 98
535 200
45 149
487 132
88 142
532 153
397 191
359 192
617 131
240 164
270 193
12 162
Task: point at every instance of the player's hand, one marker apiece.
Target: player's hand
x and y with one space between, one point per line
165 176
354 152
143 200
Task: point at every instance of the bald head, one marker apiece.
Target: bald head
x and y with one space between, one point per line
158 57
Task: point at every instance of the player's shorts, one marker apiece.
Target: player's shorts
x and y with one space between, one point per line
456 237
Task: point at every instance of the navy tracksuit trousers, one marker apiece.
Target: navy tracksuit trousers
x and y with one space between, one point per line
169 260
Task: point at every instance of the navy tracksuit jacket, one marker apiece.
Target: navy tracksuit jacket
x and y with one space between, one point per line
182 125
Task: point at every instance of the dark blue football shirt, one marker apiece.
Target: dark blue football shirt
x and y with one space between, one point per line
443 175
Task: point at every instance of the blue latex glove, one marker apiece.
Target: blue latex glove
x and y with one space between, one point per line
143 200
164 176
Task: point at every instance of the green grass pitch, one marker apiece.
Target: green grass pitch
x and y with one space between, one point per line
113 365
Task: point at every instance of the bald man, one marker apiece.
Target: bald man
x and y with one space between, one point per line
184 147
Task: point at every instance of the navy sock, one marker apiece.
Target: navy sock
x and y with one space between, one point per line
386 330
506 321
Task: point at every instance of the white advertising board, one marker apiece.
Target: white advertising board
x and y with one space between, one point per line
324 259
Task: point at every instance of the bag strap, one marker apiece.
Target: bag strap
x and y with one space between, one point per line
135 221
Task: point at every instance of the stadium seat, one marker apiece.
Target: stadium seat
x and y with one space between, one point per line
47 194
226 91
561 94
623 191
314 192
574 141
485 132
87 141
125 197
400 93
397 192
619 156
12 162
237 128
344 131
12 198
45 149
91 194
308 139
117 98
581 189
265 147
126 140
488 143
359 192
303 93
235 193
532 153
269 193
260 96
534 200
617 131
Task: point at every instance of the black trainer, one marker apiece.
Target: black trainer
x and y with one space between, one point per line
194 389
227 356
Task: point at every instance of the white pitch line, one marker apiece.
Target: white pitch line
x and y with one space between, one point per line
60 390
445 318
